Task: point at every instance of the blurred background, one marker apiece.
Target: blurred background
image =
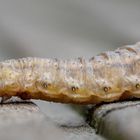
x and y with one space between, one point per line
66 28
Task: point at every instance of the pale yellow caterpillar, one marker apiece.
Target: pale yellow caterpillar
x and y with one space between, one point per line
107 77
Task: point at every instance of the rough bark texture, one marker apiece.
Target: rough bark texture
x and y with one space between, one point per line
25 121
118 121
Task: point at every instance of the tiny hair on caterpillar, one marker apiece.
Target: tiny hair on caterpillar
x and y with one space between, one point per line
107 77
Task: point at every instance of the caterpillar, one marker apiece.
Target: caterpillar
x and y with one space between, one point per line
107 77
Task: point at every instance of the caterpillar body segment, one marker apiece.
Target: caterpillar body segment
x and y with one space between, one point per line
107 77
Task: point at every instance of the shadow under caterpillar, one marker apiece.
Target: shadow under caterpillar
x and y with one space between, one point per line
107 77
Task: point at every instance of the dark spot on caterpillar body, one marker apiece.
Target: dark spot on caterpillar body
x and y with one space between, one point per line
137 86
106 89
46 85
43 84
74 89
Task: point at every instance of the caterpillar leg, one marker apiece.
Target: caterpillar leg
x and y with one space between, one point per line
10 99
4 99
